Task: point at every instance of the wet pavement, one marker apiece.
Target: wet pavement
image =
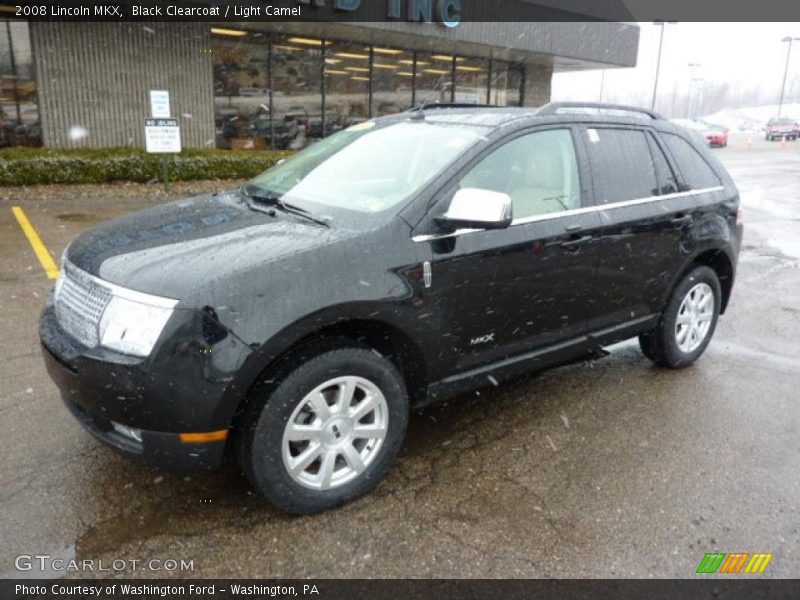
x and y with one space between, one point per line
612 468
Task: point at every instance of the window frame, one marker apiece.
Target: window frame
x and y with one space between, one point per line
629 127
439 199
511 139
683 182
656 145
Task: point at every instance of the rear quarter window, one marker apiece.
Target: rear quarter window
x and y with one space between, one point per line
696 172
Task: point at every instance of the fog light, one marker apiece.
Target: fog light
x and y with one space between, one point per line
130 432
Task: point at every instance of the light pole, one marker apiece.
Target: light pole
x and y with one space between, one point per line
602 83
658 63
692 67
698 96
786 69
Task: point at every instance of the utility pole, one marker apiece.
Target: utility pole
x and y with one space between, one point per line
786 69
602 83
692 67
662 24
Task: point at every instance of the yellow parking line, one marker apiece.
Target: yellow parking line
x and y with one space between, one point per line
38 246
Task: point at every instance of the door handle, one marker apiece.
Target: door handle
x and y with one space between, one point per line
681 220
576 243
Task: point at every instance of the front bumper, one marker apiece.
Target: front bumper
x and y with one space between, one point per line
181 389
164 450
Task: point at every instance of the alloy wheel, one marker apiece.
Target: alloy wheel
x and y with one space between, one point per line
694 318
335 433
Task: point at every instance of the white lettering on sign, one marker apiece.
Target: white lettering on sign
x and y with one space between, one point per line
159 104
162 136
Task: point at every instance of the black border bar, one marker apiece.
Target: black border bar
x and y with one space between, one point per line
447 13
712 588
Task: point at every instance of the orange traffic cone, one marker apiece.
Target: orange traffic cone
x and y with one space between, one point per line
783 142
749 143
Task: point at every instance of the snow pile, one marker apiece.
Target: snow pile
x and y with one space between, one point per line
752 118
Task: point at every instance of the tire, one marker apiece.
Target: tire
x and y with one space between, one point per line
357 463
676 346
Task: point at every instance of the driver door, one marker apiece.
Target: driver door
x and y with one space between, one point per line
498 293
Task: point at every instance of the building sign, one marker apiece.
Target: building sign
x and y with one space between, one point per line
446 12
159 104
162 135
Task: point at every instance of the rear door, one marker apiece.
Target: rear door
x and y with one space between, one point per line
646 220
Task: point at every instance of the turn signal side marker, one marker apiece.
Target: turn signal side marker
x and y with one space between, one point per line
200 438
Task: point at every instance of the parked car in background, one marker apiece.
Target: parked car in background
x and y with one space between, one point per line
714 135
717 135
782 128
298 114
333 123
695 127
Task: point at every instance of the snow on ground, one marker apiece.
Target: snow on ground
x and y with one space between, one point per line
751 118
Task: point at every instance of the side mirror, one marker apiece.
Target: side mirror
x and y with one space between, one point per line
473 208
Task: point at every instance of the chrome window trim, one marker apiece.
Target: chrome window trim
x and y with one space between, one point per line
119 291
571 212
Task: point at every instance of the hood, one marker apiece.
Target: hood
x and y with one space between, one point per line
174 249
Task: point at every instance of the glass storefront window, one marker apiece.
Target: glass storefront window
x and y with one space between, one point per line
347 77
241 90
506 84
392 81
19 105
247 115
472 81
297 91
434 80
271 91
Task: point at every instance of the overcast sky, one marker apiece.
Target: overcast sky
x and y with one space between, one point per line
738 53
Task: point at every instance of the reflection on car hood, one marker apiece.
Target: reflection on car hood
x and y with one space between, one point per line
172 250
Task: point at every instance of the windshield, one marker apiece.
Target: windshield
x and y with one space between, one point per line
367 168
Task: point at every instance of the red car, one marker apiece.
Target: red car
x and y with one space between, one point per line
717 135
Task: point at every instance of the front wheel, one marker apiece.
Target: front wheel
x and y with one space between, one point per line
326 434
688 322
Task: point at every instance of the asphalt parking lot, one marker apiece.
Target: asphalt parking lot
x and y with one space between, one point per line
612 468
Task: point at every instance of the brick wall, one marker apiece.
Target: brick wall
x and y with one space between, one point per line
97 76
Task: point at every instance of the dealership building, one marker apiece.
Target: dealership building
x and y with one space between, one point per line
258 85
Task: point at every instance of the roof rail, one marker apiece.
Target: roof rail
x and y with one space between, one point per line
438 105
553 108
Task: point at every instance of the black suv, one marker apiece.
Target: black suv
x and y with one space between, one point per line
299 318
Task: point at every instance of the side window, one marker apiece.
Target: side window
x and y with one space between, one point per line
539 171
666 178
696 172
622 165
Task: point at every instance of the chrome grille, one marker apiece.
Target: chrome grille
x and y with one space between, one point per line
79 304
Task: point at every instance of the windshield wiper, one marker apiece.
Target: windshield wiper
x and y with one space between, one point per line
274 201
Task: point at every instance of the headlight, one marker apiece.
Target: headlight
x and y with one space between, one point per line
61 271
132 327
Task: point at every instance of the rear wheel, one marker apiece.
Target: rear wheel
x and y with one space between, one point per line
328 433
688 323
